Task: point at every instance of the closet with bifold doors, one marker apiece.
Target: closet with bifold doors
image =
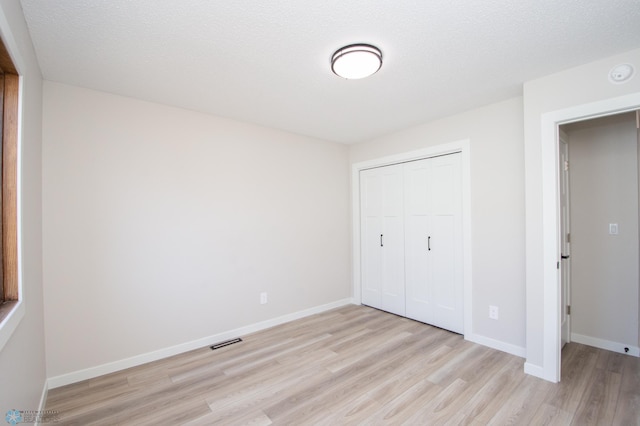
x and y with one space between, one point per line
411 240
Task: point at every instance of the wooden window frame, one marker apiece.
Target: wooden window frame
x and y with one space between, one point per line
9 105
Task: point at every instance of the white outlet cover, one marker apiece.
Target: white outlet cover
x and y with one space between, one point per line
493 312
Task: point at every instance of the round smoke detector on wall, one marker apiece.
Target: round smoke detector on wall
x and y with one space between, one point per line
621 73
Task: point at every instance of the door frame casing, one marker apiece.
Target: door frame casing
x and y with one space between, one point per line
565 266
461 146
550 123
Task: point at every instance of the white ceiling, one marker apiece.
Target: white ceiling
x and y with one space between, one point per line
267 62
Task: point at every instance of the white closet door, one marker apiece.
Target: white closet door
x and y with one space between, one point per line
382 233
419 294
433 234
370 231
446 242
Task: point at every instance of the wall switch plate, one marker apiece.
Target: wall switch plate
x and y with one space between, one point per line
613 229
493 312
263 297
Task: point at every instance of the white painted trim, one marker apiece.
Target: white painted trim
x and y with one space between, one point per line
534 370
551 250
497 344
466 237
462 146
43 399
550 216
605 344
89 373
10 323
432 151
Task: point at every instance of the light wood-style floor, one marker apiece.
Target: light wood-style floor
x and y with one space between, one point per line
357 365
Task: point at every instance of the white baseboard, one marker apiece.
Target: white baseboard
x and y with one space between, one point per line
89 373
534 370
606 344
497 344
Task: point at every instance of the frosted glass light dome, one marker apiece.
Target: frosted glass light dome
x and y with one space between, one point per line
356 61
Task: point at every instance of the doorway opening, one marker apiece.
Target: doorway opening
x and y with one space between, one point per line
599 243
551 254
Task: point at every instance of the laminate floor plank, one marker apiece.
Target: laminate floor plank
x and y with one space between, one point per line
521 406
598 404
382 368
266 385
491 397
628 407
400 410
342 380
256 362
576 374
356 365
466 386
548 415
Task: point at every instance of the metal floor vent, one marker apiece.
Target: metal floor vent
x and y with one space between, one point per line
225 343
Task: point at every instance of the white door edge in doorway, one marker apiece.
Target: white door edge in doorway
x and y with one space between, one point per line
463 147
550 370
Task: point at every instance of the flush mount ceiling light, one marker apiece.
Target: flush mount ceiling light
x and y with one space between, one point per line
356 61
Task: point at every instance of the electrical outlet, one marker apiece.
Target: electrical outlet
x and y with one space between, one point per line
263 297
493 312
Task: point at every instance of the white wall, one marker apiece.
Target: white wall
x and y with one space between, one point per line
497 208
162 226
22 359
576 89
604 268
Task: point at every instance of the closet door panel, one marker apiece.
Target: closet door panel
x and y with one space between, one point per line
446 242
417 261
393 288
371 263
382 238
393 275
419 297
443 266
371 229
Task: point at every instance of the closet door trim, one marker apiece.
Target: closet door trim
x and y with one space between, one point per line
461 146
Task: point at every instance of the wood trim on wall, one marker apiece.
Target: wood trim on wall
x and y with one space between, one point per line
10 185
1 234
6 64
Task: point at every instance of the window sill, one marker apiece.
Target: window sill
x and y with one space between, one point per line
11 313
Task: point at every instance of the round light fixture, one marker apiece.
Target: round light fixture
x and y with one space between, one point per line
356 61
